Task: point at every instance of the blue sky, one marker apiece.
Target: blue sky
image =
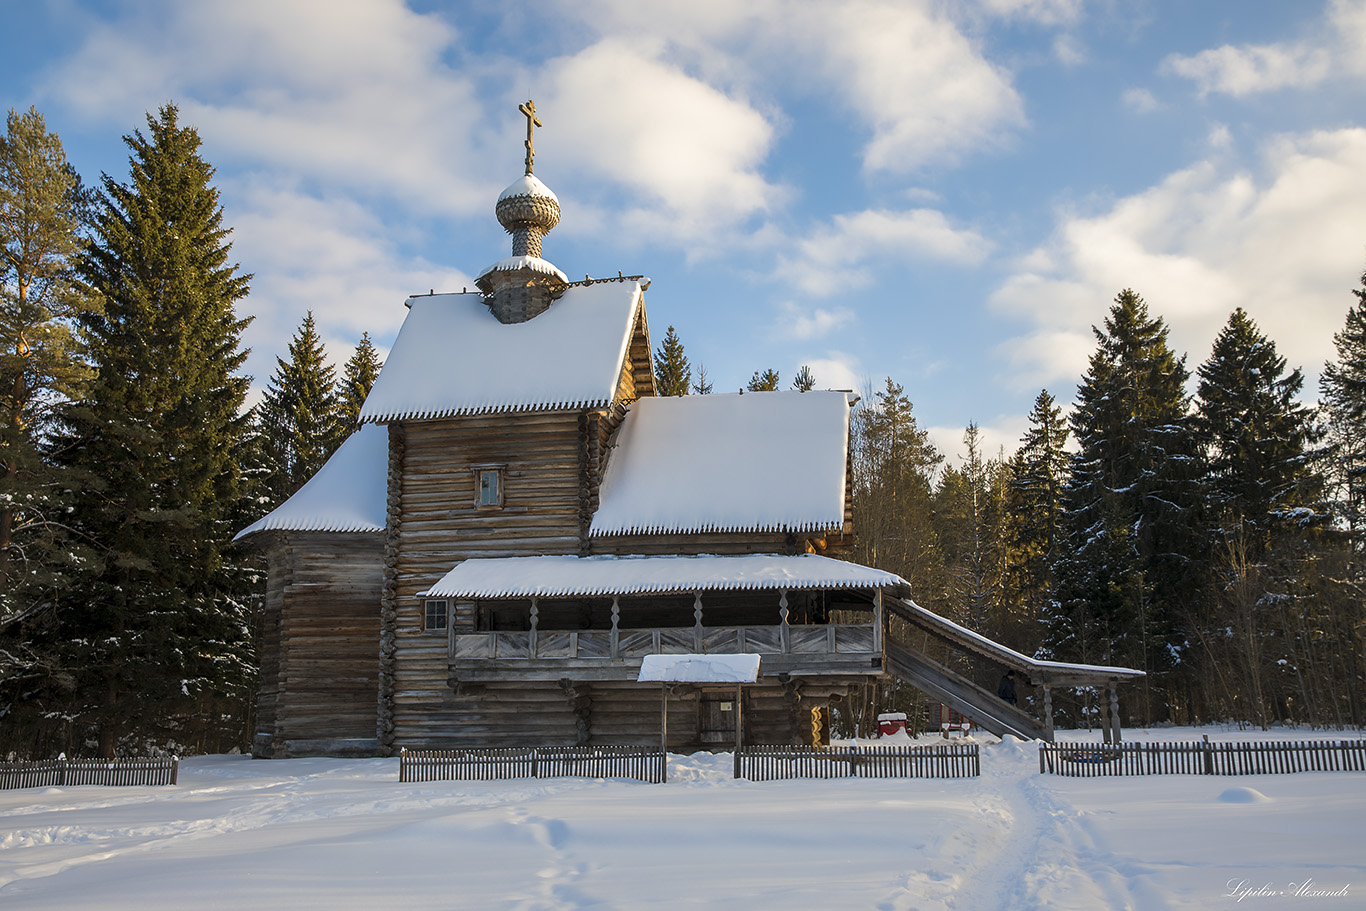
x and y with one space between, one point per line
947 194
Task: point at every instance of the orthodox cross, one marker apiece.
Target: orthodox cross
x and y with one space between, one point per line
529 109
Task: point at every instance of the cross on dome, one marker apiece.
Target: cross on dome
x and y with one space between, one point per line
529 109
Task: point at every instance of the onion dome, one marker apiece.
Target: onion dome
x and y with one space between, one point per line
527 210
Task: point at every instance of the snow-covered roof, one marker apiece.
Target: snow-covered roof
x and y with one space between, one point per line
527 185
699 669
452 356
534 263
566 577
763 461
347 494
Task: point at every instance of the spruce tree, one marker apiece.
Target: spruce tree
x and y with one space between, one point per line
1126 575
41 366
358 376
805 380
1036 523
299 420
160 626
672 373
1343 388
763 382
1253 434
969 509
701 386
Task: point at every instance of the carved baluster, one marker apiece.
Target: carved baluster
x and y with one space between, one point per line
697 622
616 624
782 613
535 617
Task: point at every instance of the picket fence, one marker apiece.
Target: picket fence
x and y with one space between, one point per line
62 772
770 762
639 763
1202 758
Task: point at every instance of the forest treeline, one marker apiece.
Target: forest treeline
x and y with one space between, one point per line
1213 540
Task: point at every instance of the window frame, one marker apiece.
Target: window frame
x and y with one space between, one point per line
428 608
499 472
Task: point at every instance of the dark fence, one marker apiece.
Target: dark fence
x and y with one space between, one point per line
532 762
1202 758
766 762
58 773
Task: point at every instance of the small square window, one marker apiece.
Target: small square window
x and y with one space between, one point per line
435 616
488 487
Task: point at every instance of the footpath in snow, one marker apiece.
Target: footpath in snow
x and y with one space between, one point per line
344 834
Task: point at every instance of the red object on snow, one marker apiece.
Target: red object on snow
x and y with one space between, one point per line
890 723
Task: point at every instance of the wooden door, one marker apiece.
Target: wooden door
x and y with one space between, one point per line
716 718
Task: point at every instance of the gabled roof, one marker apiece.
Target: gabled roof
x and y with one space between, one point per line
568 577
452 356
763 461
347 494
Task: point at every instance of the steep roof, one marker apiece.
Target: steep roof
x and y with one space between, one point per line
452 356
566 577
763 461
347 494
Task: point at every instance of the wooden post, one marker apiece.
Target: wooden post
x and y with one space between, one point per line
1048 712
739 728
782 614
535 617
664 730
616 623
877 622
1114 709
1104 718
697 622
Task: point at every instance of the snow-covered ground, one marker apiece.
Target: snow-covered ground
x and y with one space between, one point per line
344 834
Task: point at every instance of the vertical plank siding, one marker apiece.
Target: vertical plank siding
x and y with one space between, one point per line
770 762
641 764
58 773
1202 758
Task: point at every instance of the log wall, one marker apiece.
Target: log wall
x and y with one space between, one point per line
319 672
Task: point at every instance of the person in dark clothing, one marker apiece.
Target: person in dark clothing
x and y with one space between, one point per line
1007 688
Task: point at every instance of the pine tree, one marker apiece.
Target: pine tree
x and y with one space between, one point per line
41 366
701 386
160 626
672 373
299 415
1036 523
763 382
805 380
1126 576
358 376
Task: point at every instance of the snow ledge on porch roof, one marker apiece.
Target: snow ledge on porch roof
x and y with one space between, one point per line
758 462
452 356
607 575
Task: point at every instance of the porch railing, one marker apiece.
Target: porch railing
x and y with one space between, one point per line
637 643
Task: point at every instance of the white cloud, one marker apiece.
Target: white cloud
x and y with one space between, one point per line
845 252
350 92
803 323
1069 50
1045 12
1001 436
688 152
905 69
1282 243
927 92
1338 45
332 257
1249 68
1141 101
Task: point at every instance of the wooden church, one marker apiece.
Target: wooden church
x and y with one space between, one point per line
520 520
